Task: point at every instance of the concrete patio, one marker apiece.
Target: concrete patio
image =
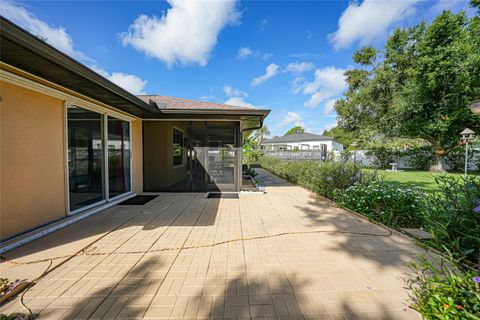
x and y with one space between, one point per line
287 254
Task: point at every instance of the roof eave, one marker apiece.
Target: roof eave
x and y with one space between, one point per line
39 47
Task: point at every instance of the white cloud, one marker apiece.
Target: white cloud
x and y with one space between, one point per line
238 102
236 97
245 52
187 33
292 117
369 20
329 82
299 67
267 55
441 5
231 92
60 39
297 84
55 36
129 82
270 71
305 55
329 107
329 126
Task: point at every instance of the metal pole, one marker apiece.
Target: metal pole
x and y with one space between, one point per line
466 158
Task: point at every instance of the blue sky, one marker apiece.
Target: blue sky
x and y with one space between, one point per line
283 55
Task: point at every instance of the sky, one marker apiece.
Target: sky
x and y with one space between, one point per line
287 56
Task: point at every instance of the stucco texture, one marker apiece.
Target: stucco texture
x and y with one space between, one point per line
159 171
32 159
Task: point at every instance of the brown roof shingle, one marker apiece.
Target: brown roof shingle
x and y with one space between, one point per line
165 102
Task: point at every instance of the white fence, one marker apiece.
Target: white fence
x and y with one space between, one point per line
360 156
295 154
403 162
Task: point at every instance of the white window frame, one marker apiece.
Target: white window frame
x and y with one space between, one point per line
104 113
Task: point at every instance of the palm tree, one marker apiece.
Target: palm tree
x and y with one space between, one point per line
260 134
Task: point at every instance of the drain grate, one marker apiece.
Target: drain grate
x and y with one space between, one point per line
218 195
138 200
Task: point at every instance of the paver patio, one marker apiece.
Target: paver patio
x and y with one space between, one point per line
300 258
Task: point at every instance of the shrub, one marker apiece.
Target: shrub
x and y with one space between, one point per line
248 170
420 158
455 159
454 217
444 292
322 177
386 202
383 156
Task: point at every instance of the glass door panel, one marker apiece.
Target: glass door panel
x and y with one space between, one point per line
197 157
221 158
118 157
85 157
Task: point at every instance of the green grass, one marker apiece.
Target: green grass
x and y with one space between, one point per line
422 179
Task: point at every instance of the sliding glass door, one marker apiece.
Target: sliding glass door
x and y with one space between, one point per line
93 152
85 157
118 156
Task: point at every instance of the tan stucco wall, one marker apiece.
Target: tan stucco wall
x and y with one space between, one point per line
32 159
158 152
137 156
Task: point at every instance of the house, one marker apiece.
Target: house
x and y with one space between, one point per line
73 143
303 141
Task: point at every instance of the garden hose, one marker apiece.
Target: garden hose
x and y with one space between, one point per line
31 284
86 252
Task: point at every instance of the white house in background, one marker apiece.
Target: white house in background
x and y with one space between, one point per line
302 141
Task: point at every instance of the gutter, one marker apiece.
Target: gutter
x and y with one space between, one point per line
253 128
257 112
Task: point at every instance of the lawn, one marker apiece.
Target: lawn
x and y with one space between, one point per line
423 179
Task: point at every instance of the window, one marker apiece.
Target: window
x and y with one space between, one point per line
177 147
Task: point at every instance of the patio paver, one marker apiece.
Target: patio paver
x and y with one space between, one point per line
287 254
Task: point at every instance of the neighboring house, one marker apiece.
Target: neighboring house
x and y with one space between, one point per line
72 142
302 141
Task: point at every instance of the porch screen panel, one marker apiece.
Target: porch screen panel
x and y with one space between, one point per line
85 157
119 153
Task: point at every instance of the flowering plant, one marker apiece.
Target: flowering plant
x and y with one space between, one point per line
384 201
444 290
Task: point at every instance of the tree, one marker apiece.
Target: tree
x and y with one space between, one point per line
260 135
421 88
296 129
340 135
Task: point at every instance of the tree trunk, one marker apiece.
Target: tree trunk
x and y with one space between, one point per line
437 165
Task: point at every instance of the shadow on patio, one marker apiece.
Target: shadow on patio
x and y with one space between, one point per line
372 242
142 294
167 210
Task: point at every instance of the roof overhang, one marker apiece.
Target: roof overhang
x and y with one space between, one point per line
251 119
21 50
24 51
296 141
